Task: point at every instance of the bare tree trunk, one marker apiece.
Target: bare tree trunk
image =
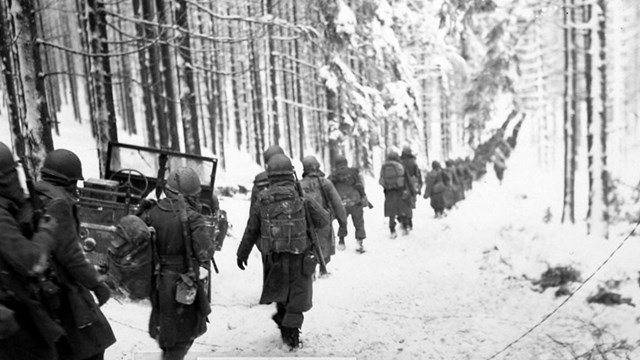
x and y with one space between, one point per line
602 70
128 115
83 21
71 68
36 128
299 88
11 76
188 99
101 73
234 86
257 103
144 77
51 85
168 72
273 78
217 116
332 117
212 79
569 114
157 85
588 76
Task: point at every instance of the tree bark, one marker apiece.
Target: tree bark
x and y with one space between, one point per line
105 115
188 98
273 85
234 86
11 75
588 77
256 94
146 87
168 72
569 115
128 114
298 87
602 70
36 127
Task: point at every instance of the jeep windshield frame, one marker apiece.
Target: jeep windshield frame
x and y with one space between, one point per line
147 161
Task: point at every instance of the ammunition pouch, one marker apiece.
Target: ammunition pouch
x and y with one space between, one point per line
186 289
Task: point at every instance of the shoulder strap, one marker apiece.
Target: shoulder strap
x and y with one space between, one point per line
324 197
186 234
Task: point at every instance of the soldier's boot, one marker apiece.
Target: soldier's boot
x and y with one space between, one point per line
360 248
291 337
393 234
341 245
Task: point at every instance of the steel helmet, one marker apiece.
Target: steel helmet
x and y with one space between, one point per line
393 154
183 180
62 164
278 165
310 163
341 161
272 150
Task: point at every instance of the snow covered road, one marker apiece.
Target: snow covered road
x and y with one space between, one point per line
455 288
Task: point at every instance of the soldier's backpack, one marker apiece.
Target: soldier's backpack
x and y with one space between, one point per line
392 176
283 222
130 257
313 190
344 176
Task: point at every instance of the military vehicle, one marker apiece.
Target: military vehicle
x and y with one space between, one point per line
132 174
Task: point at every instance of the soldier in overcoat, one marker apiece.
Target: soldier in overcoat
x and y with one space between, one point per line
322 191
27 328
278 226
397 200
413 172
183 247
88 330
350 186
436 183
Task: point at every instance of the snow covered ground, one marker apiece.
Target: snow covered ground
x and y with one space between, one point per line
455 288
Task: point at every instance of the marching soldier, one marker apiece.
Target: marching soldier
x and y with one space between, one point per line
27 329
413 172
184 247
322 191
88 330
278 225
398 194
350 187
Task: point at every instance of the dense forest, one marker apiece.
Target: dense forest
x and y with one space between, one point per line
329 77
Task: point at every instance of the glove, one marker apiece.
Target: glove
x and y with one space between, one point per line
241 263
145 204
48 223
342 232
102 292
